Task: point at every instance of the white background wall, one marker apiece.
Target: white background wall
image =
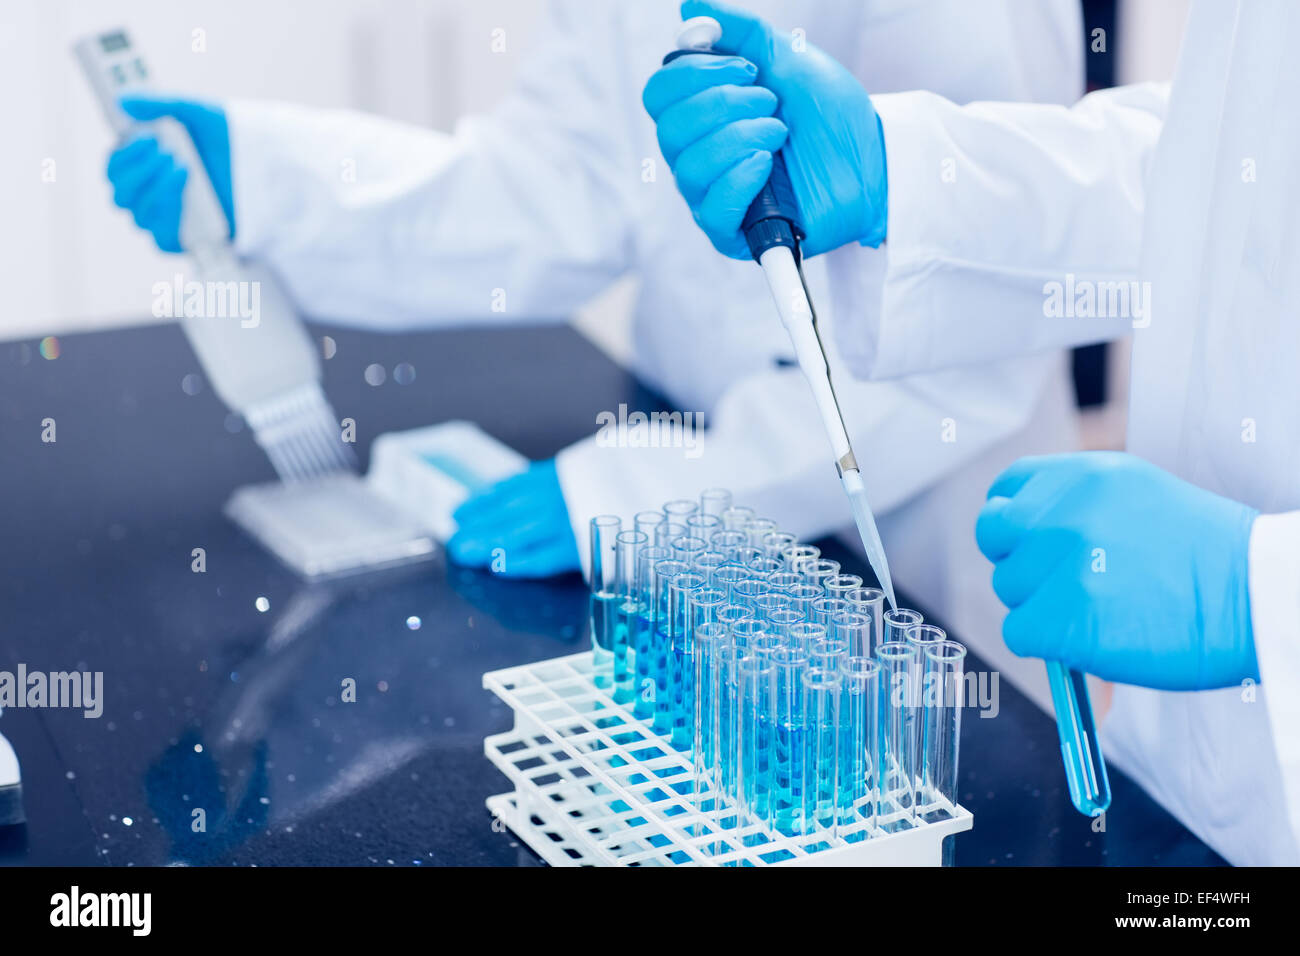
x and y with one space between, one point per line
69 259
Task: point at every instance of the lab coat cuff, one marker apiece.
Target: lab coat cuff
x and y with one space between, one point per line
1275 617
264 191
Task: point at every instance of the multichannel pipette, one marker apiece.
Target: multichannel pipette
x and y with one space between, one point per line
771 227
263 366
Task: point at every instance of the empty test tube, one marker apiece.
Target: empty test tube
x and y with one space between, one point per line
744 633
800 554
710 639
805 634
668 531
828 654
871 602
728 542
821 690
859 765
854 630
803 596
898 620
760 528
604 596
685 548
942 699
840 585
781 621
765 605
765 566
630 610
897 804
775 544
679 509
825 608
748 591
722 680
707 562
714 501
733 614
648 522
737 518
784 580
818 571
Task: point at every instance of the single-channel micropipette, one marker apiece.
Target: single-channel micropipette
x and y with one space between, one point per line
772 229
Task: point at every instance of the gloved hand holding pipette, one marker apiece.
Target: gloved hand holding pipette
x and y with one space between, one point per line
719 124
149 182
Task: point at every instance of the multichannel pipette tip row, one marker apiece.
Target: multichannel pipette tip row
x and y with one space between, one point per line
810 710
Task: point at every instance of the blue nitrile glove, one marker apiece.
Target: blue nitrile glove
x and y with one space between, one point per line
1119 569
525 517
148 181
717 130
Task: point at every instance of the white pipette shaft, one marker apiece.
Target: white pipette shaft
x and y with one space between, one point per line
792 303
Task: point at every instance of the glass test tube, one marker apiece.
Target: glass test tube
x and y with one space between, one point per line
667 616
748 591
839 585
760 528
703 526
897 806
686 548
942 703
707 562
781 621
756 706
898 620
668 531
821 690
805 634
733 614
788 667
746 555
737 518
630 611
775 544
765 566
710 640
828 654
714 501
743 633
871 602
679 509
860 709
648 521
804 595
723 686
728 541
854 630
765 605
800 554
784 580
604 596
674 719
825 608
818 571
643 638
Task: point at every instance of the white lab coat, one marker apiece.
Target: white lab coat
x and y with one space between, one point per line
539 205
1193 191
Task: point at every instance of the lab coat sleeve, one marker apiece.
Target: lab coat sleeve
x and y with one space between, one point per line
764 445
522 214
1275 616
1004 212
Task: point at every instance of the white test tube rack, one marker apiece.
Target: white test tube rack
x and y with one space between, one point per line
596 786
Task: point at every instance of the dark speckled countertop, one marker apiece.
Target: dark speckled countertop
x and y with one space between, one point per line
212 703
